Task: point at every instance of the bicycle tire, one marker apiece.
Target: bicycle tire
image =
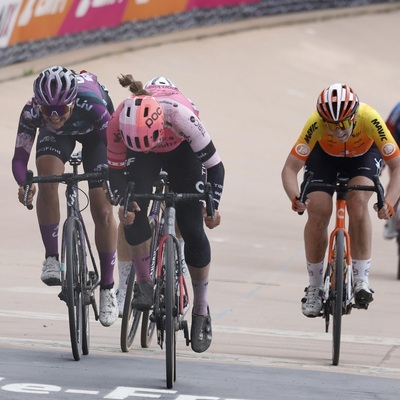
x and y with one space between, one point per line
85 329
337 301
130 316
170 311
149 326
74 260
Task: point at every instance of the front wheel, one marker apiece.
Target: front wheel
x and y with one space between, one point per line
170 258
74 263
337 302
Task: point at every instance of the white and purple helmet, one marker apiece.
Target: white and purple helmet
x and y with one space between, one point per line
55 86
159 81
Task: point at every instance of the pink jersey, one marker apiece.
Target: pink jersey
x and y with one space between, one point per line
181 123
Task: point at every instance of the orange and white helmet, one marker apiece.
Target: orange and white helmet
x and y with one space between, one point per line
337 103
141 123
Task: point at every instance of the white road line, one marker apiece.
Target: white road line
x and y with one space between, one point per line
307 335
382 340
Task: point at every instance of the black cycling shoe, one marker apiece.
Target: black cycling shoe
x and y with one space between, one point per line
201 332
142 296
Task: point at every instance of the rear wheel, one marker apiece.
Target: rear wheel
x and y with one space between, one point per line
337 301
74 262
148 326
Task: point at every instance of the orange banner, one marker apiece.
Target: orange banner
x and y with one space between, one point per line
145 9
39 19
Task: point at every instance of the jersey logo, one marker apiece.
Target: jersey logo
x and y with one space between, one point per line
302 150
388 149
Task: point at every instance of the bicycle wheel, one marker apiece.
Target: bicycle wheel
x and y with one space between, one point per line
74 261
337 301
170 310
130 316
148 326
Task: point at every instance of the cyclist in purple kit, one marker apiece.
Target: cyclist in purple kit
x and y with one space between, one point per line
67 108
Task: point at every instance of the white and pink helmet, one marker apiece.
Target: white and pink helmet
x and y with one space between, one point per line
55 86
141 123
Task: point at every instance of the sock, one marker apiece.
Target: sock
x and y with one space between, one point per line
361 271
50 239
200 303
124 268
107 262
315 273
142 268
185 268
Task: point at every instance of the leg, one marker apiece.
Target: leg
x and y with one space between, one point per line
106 241
360 230
48 214
316 240
124 267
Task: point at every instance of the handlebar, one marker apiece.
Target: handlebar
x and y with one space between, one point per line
341 186
66 177
170 198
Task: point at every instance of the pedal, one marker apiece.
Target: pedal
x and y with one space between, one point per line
62 296
185 329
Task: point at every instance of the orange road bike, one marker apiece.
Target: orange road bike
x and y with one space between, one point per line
338 297
79 273
171 297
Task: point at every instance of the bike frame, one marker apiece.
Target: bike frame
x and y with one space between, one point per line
171 295
338 277
84 281
340 225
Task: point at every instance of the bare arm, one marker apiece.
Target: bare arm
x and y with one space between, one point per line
289 176
393 189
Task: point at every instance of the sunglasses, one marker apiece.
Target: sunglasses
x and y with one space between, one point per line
341 124
57 111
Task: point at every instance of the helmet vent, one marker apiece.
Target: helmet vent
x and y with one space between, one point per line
137 142
128 139
128 112
146 112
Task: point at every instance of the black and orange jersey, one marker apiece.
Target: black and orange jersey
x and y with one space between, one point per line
369 128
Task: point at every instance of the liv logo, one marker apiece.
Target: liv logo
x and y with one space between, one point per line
85 5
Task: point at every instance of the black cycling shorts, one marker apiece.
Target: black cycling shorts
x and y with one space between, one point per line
186 175
94 150
326 167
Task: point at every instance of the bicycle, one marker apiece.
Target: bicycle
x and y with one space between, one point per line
171 296
131 317
338 291
79 278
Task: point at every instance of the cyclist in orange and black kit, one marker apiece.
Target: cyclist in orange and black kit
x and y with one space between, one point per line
346 136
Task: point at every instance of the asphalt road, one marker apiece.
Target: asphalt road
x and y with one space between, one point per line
255 87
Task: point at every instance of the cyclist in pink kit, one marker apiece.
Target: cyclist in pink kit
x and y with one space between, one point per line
67 108
156 128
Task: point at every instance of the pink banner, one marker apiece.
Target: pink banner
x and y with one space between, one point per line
87 15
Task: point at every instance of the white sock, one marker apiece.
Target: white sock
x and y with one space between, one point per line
315 273
361 270
124 268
